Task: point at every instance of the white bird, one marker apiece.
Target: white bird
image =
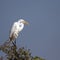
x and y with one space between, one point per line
16 28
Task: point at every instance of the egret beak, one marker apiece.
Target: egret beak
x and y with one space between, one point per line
25 22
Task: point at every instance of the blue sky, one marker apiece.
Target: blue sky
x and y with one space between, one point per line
42 35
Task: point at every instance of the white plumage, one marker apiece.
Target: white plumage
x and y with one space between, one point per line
16 28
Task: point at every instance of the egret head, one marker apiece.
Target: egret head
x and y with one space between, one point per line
23 21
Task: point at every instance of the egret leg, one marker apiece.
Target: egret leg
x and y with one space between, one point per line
14 42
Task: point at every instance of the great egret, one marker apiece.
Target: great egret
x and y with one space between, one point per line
16 28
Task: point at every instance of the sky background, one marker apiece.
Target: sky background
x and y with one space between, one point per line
42 35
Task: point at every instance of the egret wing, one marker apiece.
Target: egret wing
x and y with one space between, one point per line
13 28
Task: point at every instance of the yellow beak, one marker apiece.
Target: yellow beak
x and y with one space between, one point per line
25 22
